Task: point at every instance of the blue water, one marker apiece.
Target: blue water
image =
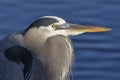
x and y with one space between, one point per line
97 55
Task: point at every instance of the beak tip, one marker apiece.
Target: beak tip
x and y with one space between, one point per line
100 29
107 29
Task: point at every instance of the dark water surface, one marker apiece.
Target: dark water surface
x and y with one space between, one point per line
97 54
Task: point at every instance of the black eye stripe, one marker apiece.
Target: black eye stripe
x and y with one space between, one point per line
42 22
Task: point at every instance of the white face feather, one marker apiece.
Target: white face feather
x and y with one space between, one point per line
49 31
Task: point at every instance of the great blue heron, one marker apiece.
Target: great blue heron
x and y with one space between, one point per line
41 52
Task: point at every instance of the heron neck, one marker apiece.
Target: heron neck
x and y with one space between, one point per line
55 59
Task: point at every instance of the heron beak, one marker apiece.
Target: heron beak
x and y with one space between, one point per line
79 29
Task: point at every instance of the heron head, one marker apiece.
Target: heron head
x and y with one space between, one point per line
52 25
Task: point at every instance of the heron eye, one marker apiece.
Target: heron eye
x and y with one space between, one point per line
54 26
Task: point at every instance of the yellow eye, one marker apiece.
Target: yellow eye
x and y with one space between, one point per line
54 26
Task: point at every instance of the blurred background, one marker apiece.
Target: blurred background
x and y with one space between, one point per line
97 55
